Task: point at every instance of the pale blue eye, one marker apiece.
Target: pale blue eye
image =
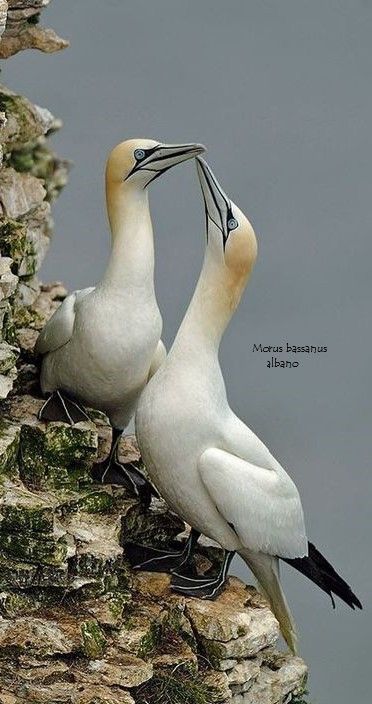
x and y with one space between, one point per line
139 154
232 224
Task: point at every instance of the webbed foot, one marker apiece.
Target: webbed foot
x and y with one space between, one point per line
61 407
202 587
156 560
111 471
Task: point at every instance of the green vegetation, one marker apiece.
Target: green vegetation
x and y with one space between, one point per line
175 688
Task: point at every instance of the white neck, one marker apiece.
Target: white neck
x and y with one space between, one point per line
212 306
131 260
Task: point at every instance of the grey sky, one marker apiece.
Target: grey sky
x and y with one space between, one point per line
280 92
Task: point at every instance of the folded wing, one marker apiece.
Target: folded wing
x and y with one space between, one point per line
58 330
262 505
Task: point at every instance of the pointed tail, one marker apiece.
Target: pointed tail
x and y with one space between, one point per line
321 572
266 570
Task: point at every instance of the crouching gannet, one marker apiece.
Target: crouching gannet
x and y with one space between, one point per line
103 344
208 465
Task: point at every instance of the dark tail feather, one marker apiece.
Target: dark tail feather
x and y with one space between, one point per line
321 572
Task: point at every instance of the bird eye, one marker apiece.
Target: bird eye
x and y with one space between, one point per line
232 224
139 154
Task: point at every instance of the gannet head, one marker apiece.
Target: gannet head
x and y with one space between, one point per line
230 236
139 161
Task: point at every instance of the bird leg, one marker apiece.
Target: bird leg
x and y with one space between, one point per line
59 406
203 587
164 560
112 471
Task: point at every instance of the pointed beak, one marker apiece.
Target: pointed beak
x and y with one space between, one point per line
217 204
167 155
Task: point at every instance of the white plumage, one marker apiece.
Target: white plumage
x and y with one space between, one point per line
103 343
210 467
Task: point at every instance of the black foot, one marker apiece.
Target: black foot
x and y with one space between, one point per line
149 559
199 587
128 475
202 587
61 407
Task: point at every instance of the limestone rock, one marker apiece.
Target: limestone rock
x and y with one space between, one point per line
8 357
25 122
217 620
8 280
123 671
272 687
263 632
58 634
244 672
6 383
9 446
22 31
3 15
20 193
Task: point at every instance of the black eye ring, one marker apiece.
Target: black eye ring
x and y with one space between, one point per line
232 224
139 154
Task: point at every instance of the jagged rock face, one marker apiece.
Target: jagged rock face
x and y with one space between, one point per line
77 625
31 177
67 591
19 28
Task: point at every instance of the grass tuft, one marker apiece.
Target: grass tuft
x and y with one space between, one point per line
174 688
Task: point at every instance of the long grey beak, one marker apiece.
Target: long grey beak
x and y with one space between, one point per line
217 204
167 155
162 157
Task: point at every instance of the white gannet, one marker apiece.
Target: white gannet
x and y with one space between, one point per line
103 343
211 469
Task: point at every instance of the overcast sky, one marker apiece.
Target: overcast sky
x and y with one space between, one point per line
280 92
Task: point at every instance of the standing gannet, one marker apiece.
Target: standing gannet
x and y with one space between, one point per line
103 344
208 465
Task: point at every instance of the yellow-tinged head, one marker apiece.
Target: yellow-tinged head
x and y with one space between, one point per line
137 162
230 236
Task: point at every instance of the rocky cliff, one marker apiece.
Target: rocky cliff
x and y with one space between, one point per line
77 626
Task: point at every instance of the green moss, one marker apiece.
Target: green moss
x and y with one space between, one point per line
22 160
92 565
8 357
59 456
94 641
53 575
150 641
25 317
14 604
95 502
213 651
175 688
28 126
16 574
35 519
7 331
116 604
13 241
46 551
9 446
176 624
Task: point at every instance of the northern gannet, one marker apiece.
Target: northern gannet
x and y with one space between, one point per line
103 343
211 469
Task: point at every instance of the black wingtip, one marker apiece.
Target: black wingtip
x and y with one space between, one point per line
320 571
